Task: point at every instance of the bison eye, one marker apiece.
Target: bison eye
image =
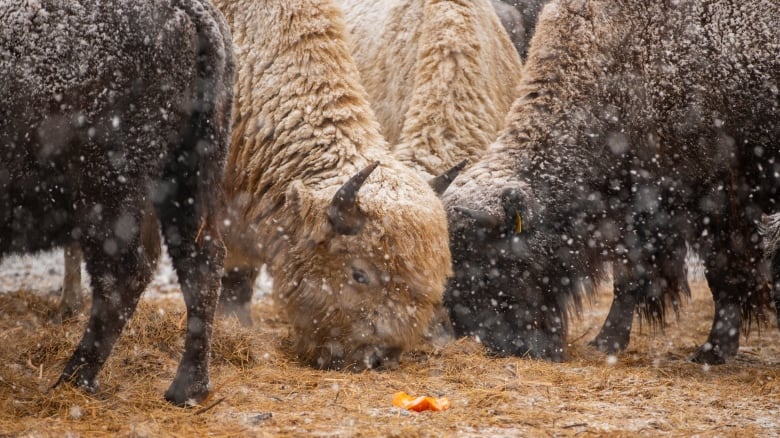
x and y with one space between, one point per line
360 276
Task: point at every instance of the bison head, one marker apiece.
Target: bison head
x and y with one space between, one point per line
367 267
512 281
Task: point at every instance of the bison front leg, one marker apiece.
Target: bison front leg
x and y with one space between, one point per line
616 331
723 341
119 274
731 283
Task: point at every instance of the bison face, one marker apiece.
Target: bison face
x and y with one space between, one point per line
367 269
503 290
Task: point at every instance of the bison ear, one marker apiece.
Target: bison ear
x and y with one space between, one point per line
516 209
440 183
343 213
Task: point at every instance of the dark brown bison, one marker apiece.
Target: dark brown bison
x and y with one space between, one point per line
107 106
640 126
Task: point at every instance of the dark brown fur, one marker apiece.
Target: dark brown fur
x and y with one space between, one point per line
106 107
642 125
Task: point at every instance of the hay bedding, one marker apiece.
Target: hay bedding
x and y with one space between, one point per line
259 389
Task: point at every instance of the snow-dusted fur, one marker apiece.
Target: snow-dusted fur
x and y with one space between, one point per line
441 75
72 298
303 127
107 106
641 125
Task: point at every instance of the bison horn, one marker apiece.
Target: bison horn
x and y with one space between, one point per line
482 218
343 213
440 183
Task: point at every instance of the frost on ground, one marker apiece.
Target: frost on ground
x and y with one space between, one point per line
260 389
43 273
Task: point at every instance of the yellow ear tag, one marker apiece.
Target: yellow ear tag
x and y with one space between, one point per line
518 224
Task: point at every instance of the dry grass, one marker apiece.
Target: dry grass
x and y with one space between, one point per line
260 390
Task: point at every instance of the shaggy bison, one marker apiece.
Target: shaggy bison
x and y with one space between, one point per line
107 106
355 241
440 75
640 126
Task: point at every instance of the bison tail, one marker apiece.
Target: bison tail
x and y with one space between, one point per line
192 177
190 210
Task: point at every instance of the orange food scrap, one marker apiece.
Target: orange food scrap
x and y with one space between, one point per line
419 404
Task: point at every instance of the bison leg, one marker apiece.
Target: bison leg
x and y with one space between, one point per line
119 274
236 297
616 331
72 300
150 236
723 340
197 252
727 282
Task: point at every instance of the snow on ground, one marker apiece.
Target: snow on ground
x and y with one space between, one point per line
43 273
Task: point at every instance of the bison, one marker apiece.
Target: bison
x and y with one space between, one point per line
108 106
640 126
440 75
355 241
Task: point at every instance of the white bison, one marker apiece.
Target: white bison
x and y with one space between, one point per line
355 241
441 76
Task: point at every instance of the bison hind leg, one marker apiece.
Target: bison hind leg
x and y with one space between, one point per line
71 301
118 279
616 331
236 297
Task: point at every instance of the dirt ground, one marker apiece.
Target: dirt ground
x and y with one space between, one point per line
260 390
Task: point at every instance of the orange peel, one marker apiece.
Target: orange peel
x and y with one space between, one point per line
421 403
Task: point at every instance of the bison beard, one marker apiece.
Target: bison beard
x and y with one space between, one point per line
91 133
628 142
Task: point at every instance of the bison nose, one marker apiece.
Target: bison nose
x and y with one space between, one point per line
383 358
374 361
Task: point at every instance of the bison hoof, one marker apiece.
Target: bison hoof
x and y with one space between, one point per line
240 312
87 385
709 355
609 345
186 394
64 313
